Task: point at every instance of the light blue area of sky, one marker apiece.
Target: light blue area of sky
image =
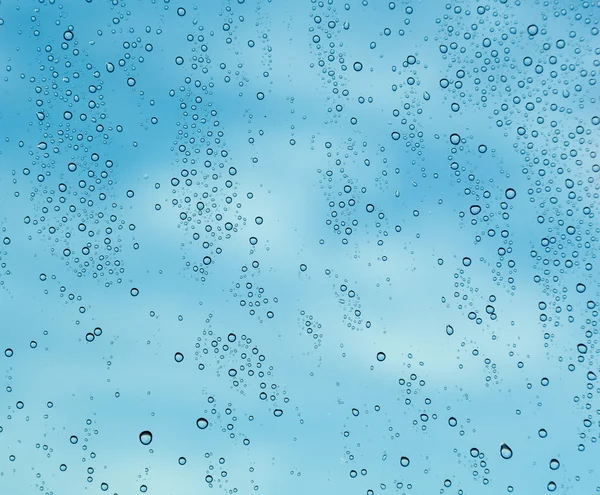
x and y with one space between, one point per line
126 381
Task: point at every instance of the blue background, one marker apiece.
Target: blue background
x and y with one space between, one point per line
265 97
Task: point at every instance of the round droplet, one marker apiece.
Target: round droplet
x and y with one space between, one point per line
180 11
8 352
455 139
381 356
260 95
449 330
551 486
182 461
202 423
580 288
532 30
134 292
554 464
505 451
474 452
277 413
63 467
466 261
404 461
395 136
131 82
452 422
146 437
510 193
358 66
542 433
179 60
73 439
178 357
475 209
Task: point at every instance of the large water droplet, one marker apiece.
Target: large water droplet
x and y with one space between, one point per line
505 451
146 437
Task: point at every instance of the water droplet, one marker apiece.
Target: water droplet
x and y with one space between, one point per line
202 423
505 451
358 66
145 437
380 356
404 461
554 464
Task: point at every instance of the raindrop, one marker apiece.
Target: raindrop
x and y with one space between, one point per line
146 437
202 423
505 451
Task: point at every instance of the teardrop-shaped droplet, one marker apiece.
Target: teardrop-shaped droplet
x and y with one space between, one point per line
505 451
